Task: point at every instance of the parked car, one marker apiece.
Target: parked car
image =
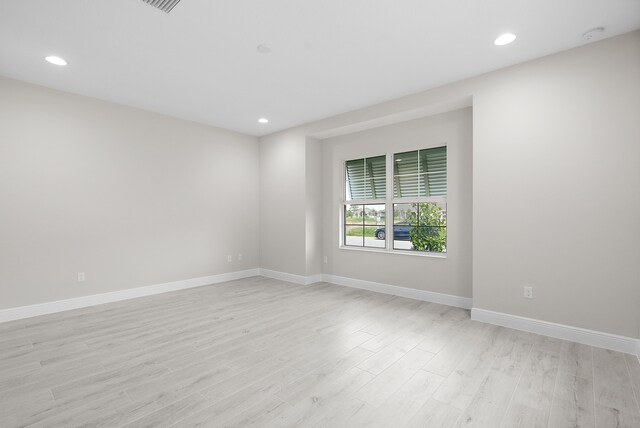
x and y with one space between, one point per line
401 232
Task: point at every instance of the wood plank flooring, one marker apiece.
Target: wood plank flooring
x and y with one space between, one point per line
265 353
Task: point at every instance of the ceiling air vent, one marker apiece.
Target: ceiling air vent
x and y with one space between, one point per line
164 5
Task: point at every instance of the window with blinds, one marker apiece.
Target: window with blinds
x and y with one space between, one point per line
417 205
366 178
420 173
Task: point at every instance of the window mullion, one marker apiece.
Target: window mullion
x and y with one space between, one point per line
419 171
364 207
388 221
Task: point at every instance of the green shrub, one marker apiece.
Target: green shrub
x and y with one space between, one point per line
429 231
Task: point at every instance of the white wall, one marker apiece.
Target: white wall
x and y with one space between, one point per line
557 188
451 275
556 184
290 204
129 197
282 207
313 218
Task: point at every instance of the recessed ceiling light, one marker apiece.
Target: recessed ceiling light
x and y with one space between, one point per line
505 39
263 49
263 120
55 60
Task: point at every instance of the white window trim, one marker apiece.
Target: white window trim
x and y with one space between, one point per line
388 203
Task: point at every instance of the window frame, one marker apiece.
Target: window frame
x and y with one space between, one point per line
389 201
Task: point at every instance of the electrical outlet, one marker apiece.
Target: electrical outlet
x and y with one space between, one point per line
229 258
325 260
240 257
528 292
80 276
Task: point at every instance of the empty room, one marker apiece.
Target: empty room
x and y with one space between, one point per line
340 213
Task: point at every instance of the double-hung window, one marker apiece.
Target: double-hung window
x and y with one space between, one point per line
412 186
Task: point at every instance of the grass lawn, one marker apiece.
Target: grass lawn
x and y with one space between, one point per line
357 231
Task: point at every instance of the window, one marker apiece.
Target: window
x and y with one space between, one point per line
421 173
364 208
362 223
420 226
366 178
417 199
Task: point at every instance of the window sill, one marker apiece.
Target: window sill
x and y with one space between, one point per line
442 256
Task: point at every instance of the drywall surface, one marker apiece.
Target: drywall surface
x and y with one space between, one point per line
128 197
282 209
313 192
557 188
450 275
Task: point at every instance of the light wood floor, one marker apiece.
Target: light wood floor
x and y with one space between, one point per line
265 353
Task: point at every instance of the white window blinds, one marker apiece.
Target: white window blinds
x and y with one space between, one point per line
420 173
366 178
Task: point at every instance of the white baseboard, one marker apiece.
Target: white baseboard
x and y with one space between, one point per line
599 339
290 277
410 293
21 312
312 279
283 276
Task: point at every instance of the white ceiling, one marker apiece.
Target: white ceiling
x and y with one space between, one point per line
200 62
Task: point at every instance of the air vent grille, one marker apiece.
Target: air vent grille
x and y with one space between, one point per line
164 5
